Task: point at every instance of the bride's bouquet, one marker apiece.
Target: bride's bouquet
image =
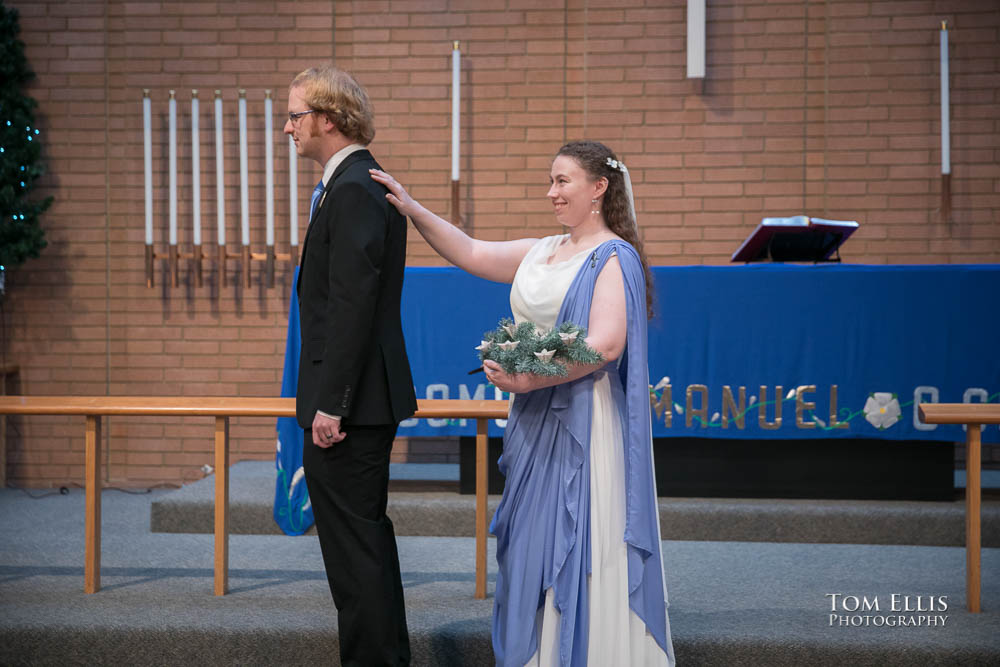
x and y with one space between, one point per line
522 348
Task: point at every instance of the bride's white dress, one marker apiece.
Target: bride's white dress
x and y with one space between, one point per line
617 636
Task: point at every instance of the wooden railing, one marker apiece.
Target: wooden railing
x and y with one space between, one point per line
973 415
93 408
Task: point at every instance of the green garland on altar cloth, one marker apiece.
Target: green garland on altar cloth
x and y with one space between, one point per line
522 348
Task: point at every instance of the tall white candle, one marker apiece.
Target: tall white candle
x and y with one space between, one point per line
244 184
173 168
293 194
195 171
147 162
220 171
269 169
456 70
945 111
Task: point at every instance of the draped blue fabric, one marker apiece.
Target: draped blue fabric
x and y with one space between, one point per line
542 524
292 510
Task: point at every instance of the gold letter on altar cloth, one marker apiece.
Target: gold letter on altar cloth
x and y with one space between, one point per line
664 407
762 409
802 405
729 407
701 411
833 409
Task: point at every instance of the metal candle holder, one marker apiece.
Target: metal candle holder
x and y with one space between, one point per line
195 257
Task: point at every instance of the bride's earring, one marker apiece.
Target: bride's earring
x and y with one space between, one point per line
593 207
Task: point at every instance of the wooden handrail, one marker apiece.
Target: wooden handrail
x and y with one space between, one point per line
973 415
222 408
960 413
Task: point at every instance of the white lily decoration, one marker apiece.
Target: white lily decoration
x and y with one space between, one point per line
509 345
753 399
485 345
296 478
510 329
678 408
545 356
664 381
791 393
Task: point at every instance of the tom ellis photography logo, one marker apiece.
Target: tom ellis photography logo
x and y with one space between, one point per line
896 610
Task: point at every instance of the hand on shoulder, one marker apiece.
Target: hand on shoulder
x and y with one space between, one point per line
397 195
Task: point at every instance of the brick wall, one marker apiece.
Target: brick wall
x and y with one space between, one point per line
829 108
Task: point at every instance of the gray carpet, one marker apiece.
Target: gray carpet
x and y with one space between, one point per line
449 514
732 603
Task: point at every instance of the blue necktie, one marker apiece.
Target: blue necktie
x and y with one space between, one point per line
317 193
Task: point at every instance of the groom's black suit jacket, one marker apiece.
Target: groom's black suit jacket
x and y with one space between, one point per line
353 361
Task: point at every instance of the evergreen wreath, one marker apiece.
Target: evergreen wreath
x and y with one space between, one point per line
522 348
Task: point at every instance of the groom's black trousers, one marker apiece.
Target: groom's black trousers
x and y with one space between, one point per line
349 488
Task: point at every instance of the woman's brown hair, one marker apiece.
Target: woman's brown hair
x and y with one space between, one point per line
594 158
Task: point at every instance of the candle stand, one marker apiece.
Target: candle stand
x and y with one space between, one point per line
246 257
198 254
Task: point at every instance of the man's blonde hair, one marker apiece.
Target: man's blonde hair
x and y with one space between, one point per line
340 98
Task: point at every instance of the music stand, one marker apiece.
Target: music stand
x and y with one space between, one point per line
795 239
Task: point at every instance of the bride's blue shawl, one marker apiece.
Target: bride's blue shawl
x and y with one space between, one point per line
542 524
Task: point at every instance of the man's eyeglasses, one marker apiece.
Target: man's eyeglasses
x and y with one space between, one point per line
294 116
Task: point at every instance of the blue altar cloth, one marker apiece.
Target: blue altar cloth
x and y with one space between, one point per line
845 351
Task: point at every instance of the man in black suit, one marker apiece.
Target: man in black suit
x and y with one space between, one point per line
354 382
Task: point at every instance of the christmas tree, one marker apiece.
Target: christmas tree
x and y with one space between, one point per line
21 236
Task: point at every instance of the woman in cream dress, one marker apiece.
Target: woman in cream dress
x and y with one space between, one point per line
581 578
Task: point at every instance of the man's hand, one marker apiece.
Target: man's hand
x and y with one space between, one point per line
326 431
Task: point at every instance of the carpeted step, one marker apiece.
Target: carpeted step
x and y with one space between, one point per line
449 514
731 603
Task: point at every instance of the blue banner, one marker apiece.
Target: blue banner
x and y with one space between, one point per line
292 510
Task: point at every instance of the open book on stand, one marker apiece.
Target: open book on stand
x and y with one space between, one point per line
798 238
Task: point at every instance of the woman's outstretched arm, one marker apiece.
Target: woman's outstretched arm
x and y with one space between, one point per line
493 260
